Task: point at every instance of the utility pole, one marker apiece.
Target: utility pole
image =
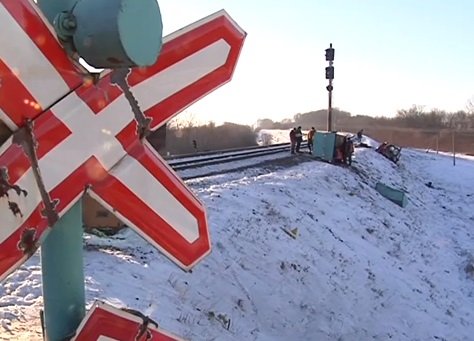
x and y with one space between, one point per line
330 77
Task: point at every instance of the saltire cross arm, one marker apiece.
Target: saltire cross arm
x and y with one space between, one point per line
146 194
104 322
34 69
91 132
194 61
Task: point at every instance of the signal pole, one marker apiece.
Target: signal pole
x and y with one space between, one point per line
330 77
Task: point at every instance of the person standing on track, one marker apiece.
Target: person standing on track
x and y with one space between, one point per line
299 139
293 140
310 139
360 135
348 151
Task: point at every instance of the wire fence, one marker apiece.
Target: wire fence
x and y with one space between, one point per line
445 140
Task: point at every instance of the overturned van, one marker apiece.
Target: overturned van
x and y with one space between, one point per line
390 151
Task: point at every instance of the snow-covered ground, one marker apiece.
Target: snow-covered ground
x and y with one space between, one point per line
273 136
361 267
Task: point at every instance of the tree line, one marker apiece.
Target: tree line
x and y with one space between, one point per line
187 135
193 137
415 117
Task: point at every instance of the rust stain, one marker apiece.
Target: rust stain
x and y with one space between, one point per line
5 187
15 208
28 243
143 329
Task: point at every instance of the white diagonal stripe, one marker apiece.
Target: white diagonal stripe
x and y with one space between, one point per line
95 135
138 179
176 77
31 66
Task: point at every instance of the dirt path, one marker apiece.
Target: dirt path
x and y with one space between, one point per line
26 329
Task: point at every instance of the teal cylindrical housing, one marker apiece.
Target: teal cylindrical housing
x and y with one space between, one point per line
51 8
118 33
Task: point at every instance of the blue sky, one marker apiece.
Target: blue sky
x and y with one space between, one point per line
389 55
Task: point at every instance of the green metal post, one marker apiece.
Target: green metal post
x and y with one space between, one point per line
62 265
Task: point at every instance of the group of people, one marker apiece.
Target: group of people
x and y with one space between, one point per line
296 137
346 150
343 152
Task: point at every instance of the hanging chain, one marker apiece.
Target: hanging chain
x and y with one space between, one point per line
119 78
25 138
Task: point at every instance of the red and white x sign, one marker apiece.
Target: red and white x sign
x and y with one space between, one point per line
106 323
87 134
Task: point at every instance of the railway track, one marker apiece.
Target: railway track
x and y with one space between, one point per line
196 160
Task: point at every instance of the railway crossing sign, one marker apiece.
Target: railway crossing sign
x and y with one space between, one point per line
106 323
72 134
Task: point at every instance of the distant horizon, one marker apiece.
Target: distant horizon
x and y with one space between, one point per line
185 115
388 55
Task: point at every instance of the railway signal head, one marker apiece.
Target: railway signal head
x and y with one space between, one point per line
330 54
330 72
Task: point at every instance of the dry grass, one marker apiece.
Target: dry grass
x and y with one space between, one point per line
423 139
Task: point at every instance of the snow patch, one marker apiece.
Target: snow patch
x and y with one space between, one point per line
361 267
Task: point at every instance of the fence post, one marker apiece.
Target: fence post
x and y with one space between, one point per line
437 142
454 149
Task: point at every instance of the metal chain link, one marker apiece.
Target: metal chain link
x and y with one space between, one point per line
143 328
119 78
26 139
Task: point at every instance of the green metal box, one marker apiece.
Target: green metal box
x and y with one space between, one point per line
324 144
398 197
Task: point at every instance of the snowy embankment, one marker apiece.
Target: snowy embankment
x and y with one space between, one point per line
273 136
361 267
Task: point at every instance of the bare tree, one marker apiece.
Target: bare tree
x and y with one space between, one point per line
184 120
470 105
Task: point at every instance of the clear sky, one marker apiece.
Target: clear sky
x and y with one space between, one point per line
390 54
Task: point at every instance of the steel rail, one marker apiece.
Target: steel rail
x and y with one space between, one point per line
221 151
225 156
